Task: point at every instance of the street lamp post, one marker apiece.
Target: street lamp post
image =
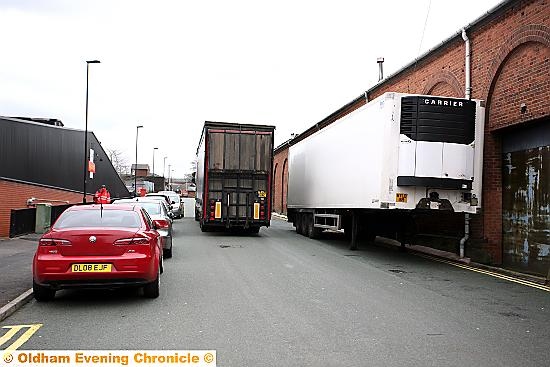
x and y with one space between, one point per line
163 171
88 62
169 177
135 167
154 161
172 179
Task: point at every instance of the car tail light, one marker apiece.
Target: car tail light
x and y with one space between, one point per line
132 241
161 223
53 242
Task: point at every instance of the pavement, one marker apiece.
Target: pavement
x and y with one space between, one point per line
16 268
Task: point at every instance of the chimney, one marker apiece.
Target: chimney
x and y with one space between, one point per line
380 62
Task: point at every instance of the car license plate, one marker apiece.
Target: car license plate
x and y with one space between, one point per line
91 268
434 205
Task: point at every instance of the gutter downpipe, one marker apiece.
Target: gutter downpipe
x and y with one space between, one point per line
467 95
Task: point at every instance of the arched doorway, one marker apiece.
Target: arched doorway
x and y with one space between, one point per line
284 189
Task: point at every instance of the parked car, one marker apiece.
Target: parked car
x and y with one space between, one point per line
158 210
99 246
156 196
175 200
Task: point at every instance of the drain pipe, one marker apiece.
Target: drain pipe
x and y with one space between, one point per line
467 76
467 95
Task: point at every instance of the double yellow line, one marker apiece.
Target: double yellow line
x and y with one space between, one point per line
13 330
488 272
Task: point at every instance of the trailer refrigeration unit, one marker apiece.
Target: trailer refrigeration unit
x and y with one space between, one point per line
370 171
234 168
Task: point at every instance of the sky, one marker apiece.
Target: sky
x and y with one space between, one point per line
171 65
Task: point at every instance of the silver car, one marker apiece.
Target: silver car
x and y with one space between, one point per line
177 203
157 210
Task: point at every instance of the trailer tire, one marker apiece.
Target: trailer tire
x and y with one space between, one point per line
311 231
300 223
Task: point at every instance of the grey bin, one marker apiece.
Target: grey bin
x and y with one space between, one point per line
43 217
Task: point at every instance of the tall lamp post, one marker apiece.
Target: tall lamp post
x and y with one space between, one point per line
135 167
169 177
163 171
154 161
88 62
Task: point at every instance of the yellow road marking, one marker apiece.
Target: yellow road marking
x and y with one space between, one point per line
31 329
9 334
490 273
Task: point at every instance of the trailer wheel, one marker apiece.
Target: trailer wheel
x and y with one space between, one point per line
312 232
300 223
308 225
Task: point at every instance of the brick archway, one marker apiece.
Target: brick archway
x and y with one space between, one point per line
511 67
275 196
537 33
284 188
444 81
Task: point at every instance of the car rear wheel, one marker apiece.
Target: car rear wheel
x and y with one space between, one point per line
167 253
42 294
152 290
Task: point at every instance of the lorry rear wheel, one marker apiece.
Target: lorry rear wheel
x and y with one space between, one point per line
204 228
254 230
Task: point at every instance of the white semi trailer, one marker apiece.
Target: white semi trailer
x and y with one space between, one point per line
371 170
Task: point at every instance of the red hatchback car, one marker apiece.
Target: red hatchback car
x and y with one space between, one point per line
99 246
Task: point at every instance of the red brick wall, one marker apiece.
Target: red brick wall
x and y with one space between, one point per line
279 197
15 195
510 65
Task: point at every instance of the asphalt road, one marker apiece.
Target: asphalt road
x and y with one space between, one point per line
280 299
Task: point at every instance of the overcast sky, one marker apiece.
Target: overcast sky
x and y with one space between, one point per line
171 65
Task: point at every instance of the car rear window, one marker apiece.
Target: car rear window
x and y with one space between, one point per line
151 208
98 218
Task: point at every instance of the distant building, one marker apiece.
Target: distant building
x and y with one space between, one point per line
141 170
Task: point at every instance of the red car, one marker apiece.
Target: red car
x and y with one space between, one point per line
99 246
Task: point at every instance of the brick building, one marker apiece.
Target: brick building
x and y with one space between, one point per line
510 70
41 162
